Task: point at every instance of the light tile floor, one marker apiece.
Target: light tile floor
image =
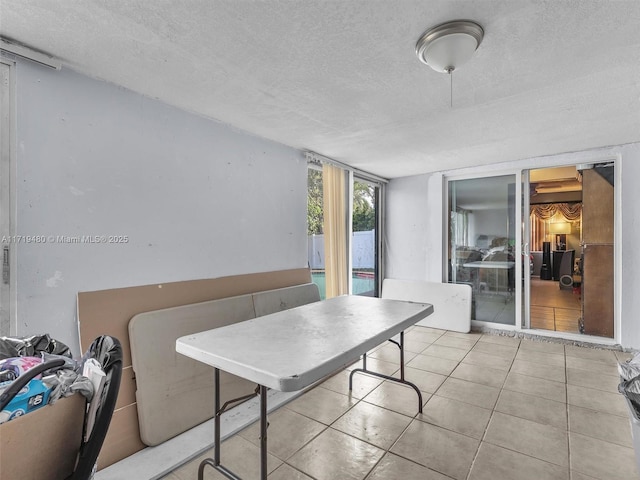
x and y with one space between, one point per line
495 408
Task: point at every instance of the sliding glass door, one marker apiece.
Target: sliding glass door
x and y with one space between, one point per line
344 224
537 247
482 244
364 238
571 233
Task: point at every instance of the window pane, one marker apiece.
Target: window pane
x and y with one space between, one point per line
314 229
364 239
482 244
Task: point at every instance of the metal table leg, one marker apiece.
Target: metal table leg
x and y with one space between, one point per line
215 462
388 377
263 432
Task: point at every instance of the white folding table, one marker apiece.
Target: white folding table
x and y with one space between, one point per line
292 349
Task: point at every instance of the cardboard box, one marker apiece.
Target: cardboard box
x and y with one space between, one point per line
43 444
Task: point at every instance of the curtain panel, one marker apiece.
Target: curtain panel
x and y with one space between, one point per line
541 214
335 230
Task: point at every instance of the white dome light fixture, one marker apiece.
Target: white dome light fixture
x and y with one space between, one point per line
448 46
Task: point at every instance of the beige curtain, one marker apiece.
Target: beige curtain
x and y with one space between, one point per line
538 232
335 230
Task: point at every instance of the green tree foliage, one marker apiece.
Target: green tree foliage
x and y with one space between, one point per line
364 214
314 202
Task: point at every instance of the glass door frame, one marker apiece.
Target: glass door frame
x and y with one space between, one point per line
586 158
518 207
378 205
526 250
522 320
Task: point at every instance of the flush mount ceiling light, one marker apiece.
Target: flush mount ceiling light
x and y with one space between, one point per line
449 45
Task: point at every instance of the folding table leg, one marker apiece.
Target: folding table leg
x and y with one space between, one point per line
218 413
264 424
215 462
387 377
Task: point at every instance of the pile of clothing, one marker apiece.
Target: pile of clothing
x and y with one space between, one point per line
19 356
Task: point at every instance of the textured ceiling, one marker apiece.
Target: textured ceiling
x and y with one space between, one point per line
340 77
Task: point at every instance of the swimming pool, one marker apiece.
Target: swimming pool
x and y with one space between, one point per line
361 282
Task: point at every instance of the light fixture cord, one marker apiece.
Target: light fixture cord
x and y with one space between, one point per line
450 72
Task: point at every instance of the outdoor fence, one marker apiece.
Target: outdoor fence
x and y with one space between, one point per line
362 250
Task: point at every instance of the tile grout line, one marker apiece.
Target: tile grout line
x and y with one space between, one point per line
387 451
493 410
566 393
414 419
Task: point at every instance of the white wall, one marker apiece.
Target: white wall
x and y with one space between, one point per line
414 236
630 207
415 211
195 198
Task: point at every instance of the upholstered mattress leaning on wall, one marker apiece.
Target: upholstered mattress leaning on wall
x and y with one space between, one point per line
175 393
109 312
